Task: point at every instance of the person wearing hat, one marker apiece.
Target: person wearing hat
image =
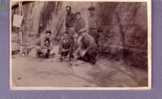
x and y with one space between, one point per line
93 24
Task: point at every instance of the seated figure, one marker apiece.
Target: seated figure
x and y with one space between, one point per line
66 46
45 46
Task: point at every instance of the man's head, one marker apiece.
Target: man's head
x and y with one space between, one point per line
78 15
91 10
48 33
68 9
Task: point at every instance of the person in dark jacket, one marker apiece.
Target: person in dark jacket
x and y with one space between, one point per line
66 46
69 19
45 46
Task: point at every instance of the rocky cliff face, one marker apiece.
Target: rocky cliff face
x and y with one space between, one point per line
123 25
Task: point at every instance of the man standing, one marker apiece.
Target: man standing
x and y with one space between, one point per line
93 24
69 20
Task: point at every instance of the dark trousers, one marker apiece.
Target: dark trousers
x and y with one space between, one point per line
43 55
90 56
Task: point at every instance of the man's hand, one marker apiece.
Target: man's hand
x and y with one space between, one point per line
83 52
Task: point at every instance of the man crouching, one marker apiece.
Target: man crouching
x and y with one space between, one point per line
87 48
46 44
66 46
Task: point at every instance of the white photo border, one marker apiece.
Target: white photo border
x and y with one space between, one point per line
149 52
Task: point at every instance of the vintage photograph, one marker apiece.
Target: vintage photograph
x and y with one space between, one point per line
69 44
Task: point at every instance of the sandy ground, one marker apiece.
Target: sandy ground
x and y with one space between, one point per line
28 71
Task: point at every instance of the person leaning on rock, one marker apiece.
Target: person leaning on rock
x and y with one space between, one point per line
79 27
80 24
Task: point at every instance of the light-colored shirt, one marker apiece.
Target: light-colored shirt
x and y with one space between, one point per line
92 22
79 25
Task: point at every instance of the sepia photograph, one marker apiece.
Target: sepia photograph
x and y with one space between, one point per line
79 45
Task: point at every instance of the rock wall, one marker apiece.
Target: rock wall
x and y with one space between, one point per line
125 25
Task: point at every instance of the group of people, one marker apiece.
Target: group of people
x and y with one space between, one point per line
78 41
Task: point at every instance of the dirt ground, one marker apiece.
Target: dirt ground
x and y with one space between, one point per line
30 71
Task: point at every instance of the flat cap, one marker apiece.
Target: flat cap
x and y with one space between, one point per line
91 8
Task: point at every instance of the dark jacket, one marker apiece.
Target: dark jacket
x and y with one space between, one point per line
69 20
